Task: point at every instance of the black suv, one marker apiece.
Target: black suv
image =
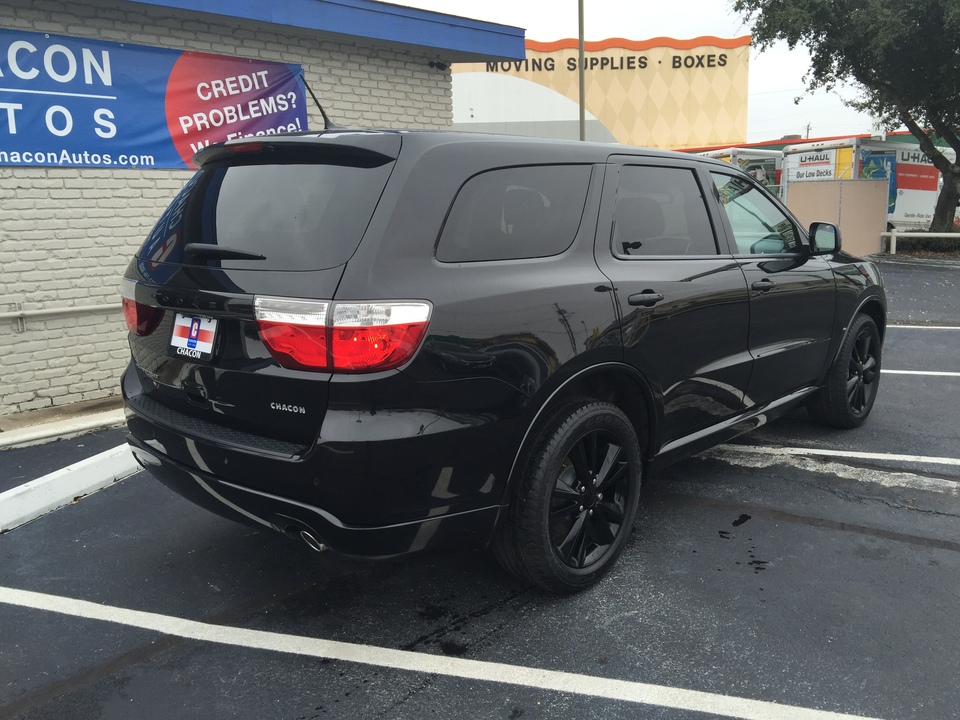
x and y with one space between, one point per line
381 342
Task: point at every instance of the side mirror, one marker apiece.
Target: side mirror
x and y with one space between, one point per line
824 238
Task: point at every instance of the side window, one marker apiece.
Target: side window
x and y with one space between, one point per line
759 226
660 211
513 213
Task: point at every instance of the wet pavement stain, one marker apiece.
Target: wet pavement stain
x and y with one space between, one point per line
453 649
433 612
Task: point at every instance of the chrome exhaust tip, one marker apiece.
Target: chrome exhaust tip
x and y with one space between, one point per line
312 541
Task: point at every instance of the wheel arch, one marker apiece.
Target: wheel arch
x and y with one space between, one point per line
873 307
616 383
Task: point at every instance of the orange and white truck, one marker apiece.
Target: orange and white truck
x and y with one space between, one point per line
914 183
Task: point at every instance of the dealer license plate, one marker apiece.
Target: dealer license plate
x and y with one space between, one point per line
193 337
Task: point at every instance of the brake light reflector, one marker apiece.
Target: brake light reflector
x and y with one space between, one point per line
141 319
354 337
246 148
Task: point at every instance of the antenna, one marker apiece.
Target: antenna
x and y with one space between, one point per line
328 124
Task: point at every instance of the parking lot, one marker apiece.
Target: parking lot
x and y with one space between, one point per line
796 574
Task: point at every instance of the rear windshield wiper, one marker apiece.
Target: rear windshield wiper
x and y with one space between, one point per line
204 250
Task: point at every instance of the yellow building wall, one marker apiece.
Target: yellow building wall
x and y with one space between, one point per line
662 93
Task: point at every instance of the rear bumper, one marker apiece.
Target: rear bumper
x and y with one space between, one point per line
261 509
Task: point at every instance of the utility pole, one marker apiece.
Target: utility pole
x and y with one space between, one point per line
583 112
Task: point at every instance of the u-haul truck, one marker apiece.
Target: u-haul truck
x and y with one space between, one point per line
913 180
764 165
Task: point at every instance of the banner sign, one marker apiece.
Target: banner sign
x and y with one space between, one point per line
73 102
814 165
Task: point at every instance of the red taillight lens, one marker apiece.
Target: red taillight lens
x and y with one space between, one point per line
141 319
295 346
376 336
294 331
246 148
346 337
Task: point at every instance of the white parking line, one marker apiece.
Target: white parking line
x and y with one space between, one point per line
830 462
563 682
920 372
926 327
851 454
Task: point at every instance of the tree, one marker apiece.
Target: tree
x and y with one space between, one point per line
903 55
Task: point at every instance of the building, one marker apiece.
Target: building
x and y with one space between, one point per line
662 93
102 105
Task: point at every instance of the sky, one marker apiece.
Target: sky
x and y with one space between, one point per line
776 75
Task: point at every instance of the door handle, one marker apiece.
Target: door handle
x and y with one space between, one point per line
647 298
764 285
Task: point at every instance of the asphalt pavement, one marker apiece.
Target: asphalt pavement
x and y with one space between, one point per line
760 583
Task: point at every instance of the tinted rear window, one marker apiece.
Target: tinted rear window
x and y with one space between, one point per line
306 216
512 213
660 211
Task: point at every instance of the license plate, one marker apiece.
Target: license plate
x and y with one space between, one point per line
193 337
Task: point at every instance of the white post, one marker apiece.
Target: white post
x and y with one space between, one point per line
893 241
583 101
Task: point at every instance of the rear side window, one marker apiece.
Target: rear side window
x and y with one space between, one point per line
512 213
299 216
660 211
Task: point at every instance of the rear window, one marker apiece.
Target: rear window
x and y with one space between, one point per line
660 211
512 213
298 216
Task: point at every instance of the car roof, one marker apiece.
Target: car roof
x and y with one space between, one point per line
572 149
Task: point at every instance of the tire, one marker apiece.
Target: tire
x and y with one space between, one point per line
851 386
575 501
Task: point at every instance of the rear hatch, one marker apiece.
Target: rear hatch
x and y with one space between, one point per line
263 224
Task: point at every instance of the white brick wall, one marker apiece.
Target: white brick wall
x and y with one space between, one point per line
67 235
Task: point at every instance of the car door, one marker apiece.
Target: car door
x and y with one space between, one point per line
683 302
792 292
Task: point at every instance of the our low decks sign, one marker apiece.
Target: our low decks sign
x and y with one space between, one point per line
73 102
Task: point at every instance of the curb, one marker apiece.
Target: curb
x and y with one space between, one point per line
915 262
24 437
62 487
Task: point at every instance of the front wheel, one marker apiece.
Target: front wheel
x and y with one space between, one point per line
851 387
576 501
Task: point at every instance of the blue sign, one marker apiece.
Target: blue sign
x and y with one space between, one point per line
73 102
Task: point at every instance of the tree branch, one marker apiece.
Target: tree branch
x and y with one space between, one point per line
938 159
947 134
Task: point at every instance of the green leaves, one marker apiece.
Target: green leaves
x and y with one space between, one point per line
904 56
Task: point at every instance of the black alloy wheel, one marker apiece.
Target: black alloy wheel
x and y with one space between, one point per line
588 503
851 385
576 499
862 372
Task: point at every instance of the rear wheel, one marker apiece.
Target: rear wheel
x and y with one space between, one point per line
851 387
576 501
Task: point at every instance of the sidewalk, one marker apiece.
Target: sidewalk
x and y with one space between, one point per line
900 259
39 426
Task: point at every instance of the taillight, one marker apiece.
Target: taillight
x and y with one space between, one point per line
246 148
141 319
376 336
294 331
353 337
